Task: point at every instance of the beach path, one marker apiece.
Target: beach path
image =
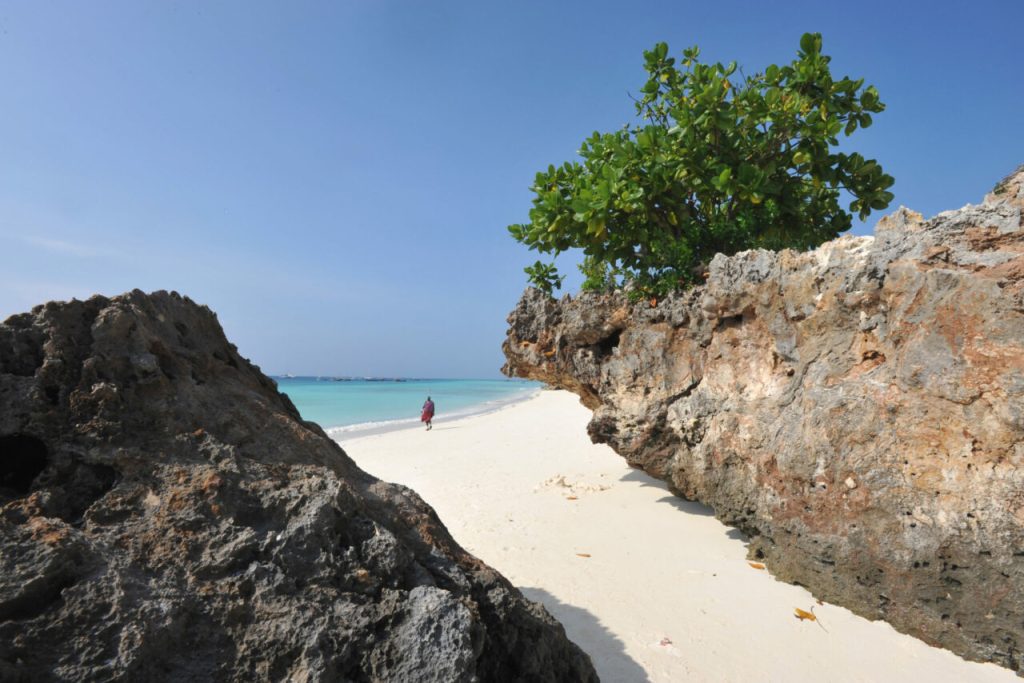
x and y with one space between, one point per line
651 586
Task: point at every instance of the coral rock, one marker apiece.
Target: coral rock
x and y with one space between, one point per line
857 410
165 514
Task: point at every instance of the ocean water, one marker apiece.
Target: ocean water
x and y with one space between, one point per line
354 407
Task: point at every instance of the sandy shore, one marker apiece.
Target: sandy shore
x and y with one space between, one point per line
654 588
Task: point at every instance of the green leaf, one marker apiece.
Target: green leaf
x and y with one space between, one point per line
869 98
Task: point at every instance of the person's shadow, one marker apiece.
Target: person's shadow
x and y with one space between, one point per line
606 651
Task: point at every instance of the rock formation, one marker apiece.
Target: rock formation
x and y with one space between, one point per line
165 514
856 410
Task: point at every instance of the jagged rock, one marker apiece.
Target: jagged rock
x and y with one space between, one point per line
166 515
857 410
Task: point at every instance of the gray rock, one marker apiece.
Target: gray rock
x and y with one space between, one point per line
857 410
165 515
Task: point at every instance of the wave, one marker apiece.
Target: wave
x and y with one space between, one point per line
360 429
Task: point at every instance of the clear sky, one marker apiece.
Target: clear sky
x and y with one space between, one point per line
334 179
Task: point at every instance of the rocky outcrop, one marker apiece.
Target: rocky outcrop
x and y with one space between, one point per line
166 515
857 410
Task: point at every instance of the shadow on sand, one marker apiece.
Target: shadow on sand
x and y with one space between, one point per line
692 507
606 651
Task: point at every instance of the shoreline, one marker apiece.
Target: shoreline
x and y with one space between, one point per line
365 429
651 586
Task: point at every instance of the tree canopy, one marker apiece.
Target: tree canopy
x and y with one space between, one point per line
720 162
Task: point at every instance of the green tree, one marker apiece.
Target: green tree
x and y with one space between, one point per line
720 162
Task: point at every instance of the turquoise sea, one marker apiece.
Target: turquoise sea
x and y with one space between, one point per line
355 406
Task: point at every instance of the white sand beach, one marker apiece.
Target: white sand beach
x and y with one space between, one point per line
652 587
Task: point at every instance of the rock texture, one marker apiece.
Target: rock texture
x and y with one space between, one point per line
857 410
166 515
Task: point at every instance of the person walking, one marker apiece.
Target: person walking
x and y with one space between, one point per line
428 414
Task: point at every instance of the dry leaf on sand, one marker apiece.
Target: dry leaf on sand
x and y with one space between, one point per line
756 565
583 554
804 615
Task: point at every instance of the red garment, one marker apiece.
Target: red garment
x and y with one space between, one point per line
428 412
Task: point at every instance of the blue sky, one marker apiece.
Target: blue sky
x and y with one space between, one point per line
334 179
